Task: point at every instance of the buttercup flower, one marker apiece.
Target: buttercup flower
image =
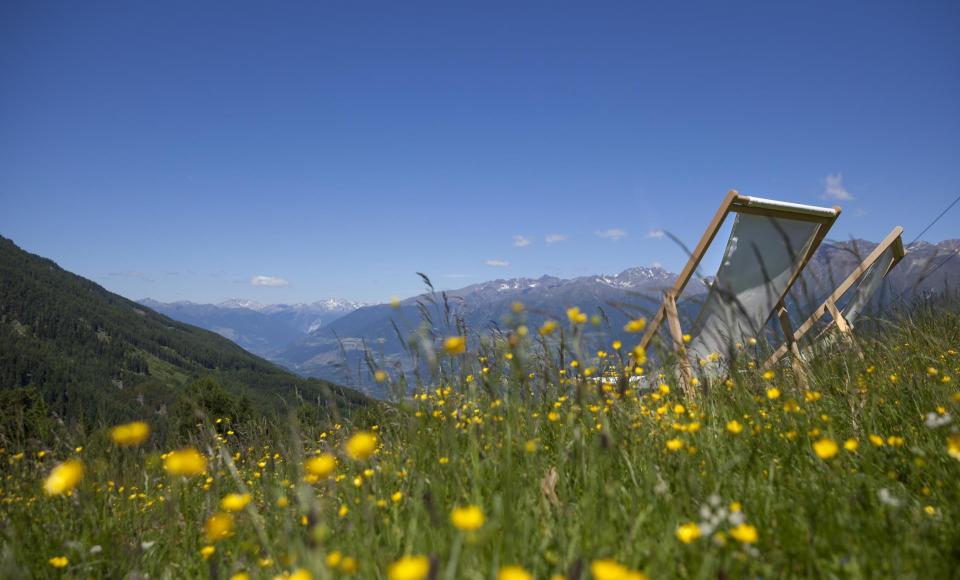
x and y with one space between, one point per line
409 568
514 573
130 434
235 502
361 446
187 462
825 448
321 466
218 526
688 533
64 477
468 518
455 345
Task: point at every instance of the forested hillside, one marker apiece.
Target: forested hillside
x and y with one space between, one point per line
82 352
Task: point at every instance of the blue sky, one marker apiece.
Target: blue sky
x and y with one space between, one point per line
180 150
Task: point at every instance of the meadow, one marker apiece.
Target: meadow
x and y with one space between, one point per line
527 454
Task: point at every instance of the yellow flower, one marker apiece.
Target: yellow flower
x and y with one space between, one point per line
234 502
734 427
636 325
674 444
349 565
768 375
575 316
773 393
514 573
548 328
608 570
468 518
639 355
455 345
59 561
409 568
301 574
744 533
953 446
240 576
396 497
333 559
64 477
686 338
688 533
361 446
321 466
876 440
825 448
218 526
379 376
130 434
851 445
187 461
207 551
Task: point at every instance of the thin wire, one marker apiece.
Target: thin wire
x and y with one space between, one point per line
949 207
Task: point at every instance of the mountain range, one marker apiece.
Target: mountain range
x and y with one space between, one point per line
259 328
82 352
333 349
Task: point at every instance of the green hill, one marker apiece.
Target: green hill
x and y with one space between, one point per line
91 354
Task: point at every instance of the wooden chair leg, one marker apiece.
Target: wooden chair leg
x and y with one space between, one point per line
796 362
846 331
673 323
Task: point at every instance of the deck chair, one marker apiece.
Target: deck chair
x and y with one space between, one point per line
770 243
864 281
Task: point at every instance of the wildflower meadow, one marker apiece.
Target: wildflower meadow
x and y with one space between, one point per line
547 452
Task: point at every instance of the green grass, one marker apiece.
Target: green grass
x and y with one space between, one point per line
620 493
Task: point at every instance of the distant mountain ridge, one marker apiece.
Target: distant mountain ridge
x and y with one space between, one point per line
927 268
318 350
621 296
259 328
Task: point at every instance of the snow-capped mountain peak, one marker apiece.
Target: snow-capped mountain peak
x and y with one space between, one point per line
241 303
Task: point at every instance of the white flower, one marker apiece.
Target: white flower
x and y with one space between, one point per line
887 498
935 420
96 549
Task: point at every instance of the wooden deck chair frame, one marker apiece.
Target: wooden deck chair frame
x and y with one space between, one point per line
732 203
893 240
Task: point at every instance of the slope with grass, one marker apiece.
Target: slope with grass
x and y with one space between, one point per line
513 464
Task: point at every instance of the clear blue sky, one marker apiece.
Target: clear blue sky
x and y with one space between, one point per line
179 149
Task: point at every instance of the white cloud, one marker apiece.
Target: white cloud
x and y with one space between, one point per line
655 234
271 281
520 241
497 263
554 238
656 265
834 189
611 234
